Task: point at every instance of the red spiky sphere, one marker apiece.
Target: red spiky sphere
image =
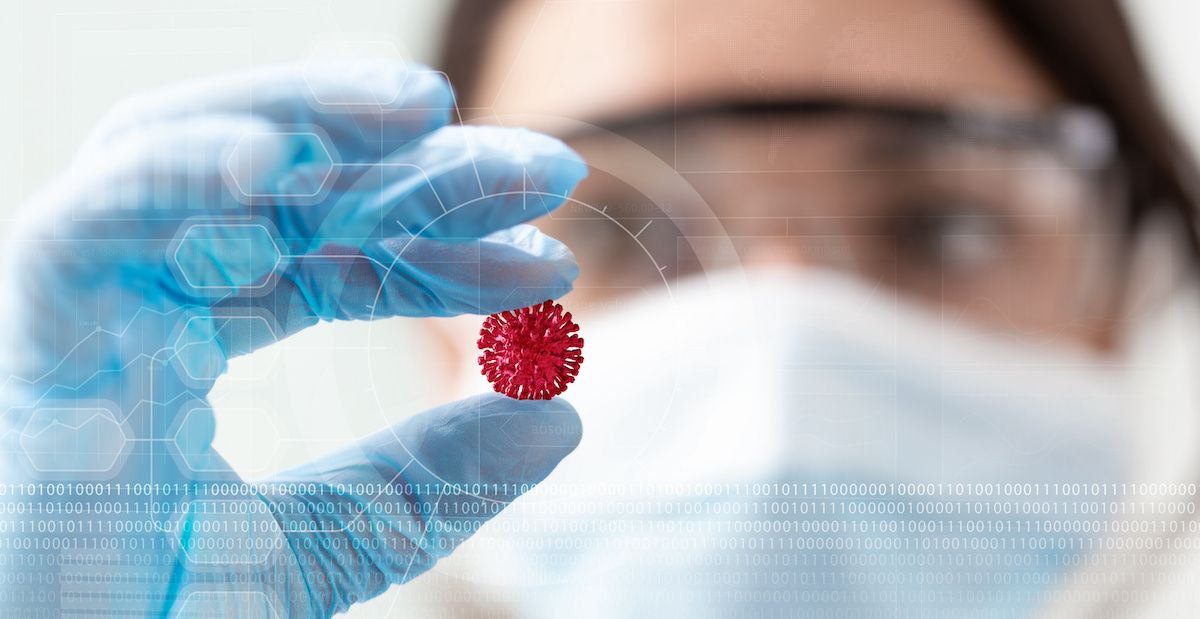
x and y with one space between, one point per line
532 353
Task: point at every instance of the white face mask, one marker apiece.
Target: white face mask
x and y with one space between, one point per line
792 377
776 372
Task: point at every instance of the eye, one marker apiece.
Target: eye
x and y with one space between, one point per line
954 235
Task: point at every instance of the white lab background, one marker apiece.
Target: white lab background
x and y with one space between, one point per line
64 63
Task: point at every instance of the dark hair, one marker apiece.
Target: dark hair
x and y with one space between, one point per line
1085 45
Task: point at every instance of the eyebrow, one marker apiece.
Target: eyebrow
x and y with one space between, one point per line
813 106
973 119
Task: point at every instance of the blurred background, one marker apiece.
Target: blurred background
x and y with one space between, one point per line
65 63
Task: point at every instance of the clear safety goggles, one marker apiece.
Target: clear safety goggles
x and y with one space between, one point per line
1015 218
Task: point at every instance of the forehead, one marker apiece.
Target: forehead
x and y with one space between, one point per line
593 59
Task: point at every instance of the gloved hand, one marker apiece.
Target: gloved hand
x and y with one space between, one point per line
201 223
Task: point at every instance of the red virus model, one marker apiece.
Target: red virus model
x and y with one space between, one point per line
532 353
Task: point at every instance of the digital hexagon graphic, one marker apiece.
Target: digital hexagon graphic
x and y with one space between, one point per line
221 257
209 604
354 56
203 354
196 430
252 163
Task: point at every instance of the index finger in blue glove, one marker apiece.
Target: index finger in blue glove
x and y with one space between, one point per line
457 182
512 268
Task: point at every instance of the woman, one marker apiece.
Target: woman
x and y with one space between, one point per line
861 242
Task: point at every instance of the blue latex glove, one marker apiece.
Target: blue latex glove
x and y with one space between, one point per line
201 223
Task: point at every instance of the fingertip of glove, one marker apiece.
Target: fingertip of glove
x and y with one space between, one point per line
487 438
552 428
547 160
428 90
563 266
565 167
